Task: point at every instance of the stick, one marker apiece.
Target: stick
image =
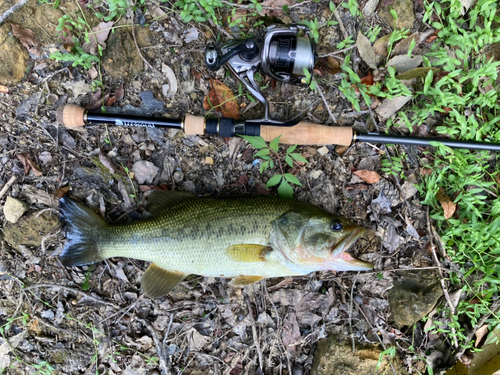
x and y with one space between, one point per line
7 186
9 12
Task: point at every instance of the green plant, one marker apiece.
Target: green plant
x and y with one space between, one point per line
390 352
271 156
190 10
127 171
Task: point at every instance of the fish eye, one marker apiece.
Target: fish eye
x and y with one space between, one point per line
336 226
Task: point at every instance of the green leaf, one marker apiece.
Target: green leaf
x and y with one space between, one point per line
275 180
291 149
274 144
263 152
263 166
289 160
285 190
331 5
299 157
256 142
292 179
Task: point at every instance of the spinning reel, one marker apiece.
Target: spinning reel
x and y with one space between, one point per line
282 53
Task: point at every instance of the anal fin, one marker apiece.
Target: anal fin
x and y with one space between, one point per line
157 281
248 252
245 280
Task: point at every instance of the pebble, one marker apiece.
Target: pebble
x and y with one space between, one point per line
323 151
145 172
14 209
178 176
189 186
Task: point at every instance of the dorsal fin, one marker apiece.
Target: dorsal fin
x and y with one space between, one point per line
248 252
157 281
160 200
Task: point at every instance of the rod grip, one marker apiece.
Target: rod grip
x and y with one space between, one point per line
194 125
306 133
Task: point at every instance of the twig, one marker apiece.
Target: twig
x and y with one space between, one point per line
12 9
73 290
341 24
350 312
7 186
254 332
264 7
159 347
324 101
441 279
140 53
338 52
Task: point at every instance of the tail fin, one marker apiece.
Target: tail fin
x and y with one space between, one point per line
82 228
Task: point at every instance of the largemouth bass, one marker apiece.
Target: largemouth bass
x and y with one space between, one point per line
246 238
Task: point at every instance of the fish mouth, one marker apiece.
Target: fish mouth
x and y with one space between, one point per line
344 261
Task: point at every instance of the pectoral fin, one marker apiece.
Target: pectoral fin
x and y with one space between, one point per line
248 253
245 280
157 281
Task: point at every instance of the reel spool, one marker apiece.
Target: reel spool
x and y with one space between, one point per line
282 53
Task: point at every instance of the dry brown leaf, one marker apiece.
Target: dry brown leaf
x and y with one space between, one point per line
449 207
222 99
403 63
120 93
278 4
403 46
366 51
92 73
4 89
110 101
480 334
59 193
380 46
329 64
196 74
27 39
98 37
391 105
106 162
28 164
370 177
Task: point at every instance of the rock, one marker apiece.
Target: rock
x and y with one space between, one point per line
14 57
335 357
404 10
189 186
47 16
30 229
120 59
323 151
14 209
144 172
413 296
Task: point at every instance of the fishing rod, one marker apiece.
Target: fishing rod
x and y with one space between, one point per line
300 133
284 53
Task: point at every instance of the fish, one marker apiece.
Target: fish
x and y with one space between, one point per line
245 238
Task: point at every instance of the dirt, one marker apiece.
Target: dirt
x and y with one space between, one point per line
94 319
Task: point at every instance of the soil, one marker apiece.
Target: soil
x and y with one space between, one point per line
94 319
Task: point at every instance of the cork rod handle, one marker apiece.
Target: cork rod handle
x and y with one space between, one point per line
306 133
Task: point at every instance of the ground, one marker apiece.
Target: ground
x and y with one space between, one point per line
94 319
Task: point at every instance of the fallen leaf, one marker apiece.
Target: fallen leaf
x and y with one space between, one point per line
370 177
4 89
196 74
380 46
98 37
367 80
403 63
27 39
366 51
466 4
106 162
278 4
28 164
110 101
243 179
415 73
222 99
92 73
403 46
261 190
291 333
172 79
119 93
480 334
329 64
391 106
449 207
369 8
59 193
